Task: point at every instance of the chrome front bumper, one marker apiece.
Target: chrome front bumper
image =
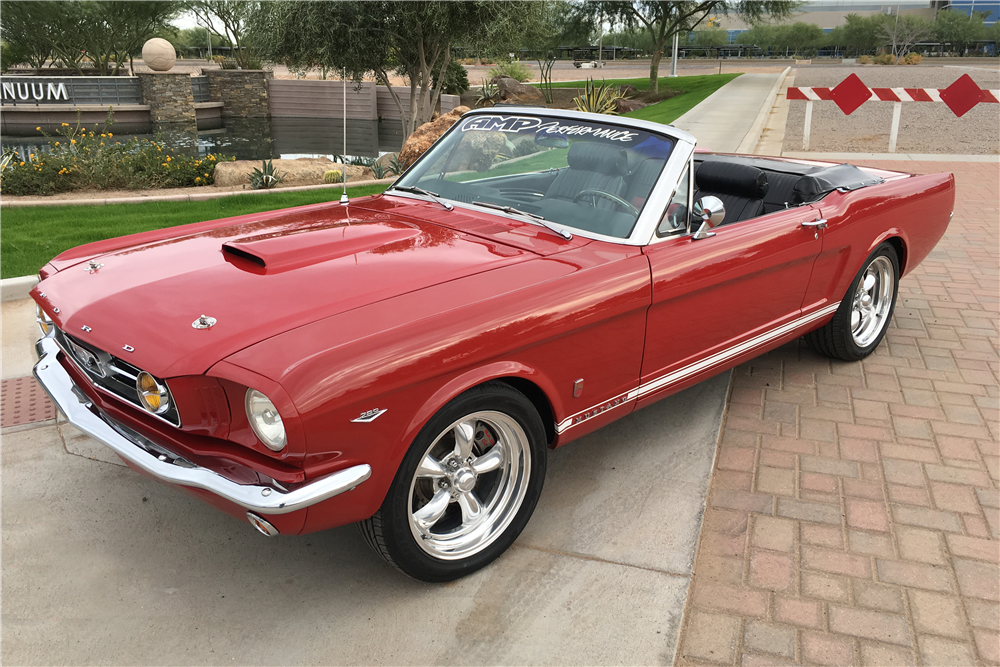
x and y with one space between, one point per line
168 467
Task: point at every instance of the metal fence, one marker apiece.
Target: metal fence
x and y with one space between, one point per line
199 88
40 90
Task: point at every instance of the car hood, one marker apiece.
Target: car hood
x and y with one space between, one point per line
256 276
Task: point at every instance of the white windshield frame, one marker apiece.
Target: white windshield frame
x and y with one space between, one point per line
643 232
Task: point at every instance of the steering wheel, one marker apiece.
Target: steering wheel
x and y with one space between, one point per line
601 194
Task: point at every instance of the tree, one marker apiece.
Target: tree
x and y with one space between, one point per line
904 31
663 18
229 18
560 23
711 37
959 29
801 36
380 38
862 34
107 33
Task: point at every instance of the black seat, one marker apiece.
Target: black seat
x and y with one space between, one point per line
740 187
592 166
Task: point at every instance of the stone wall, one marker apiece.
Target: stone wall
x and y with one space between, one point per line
242 92
169 97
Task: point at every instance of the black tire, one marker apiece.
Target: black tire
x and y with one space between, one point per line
849 335
456 541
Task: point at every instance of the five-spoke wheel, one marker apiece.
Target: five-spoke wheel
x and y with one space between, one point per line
465 489
863 316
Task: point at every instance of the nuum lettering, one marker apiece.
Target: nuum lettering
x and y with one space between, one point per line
28 90
515 124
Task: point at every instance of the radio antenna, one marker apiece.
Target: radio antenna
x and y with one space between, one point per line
343 180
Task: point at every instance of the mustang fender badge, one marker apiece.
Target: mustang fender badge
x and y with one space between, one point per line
128 348
370 416
204 322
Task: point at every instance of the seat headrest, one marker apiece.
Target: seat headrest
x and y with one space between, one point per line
731 178
593 156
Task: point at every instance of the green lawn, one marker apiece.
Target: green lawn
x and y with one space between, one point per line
31 236
694 90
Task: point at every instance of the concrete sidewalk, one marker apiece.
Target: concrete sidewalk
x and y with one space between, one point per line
731 119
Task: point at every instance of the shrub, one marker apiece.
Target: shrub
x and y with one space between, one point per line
266 177
379 170
864 60
599 99
513 69
885 59
489 93
456 79
912 58
79 158
333 176
395 165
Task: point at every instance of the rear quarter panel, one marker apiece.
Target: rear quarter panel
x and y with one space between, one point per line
915 210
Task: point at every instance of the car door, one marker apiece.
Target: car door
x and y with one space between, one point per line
717 299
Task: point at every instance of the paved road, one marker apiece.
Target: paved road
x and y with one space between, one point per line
101 565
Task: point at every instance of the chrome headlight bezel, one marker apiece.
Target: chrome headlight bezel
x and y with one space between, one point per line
154 387
265 420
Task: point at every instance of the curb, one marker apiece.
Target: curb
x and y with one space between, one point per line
752 137
14 289
186 198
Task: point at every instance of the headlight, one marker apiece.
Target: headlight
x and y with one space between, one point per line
265 420
152 394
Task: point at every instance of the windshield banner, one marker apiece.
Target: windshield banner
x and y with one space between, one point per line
518 124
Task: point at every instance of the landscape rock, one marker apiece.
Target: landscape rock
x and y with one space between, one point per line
629 90
624 106
303 171
513 91
425 135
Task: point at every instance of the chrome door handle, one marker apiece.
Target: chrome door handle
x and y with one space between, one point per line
818 224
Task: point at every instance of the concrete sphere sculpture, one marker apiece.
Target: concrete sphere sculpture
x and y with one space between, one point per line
158 54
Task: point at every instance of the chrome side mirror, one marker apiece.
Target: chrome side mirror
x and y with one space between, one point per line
711 212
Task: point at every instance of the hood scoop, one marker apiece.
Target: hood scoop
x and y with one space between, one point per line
277 252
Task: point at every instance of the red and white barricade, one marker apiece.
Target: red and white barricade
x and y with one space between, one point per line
851 93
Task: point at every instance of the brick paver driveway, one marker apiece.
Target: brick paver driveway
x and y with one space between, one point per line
853 515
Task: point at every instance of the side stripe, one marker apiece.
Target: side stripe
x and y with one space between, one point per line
692 369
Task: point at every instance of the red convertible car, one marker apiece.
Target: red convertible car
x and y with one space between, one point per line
404 360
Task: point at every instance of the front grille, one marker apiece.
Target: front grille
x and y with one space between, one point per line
110 373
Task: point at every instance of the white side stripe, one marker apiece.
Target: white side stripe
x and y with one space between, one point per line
693 369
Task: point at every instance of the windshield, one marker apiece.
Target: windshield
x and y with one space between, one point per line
577 173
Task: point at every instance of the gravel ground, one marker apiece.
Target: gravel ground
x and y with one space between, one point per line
924 127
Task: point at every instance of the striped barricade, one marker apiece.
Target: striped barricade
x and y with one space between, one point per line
851 93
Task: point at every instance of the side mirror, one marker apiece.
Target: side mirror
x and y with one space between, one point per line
711 211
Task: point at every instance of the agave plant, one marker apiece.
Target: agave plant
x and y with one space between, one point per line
395 166
265 177
489 93
379 169
599 99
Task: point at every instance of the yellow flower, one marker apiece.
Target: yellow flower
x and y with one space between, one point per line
168 158
197 179
102 134
65 124
206 175
39 128
110 135
164 164
72 141
57 143
22 164
102 143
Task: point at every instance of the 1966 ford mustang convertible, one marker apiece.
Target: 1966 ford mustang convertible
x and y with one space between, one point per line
403 361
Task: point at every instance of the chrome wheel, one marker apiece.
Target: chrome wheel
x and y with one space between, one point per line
872 304
469 485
